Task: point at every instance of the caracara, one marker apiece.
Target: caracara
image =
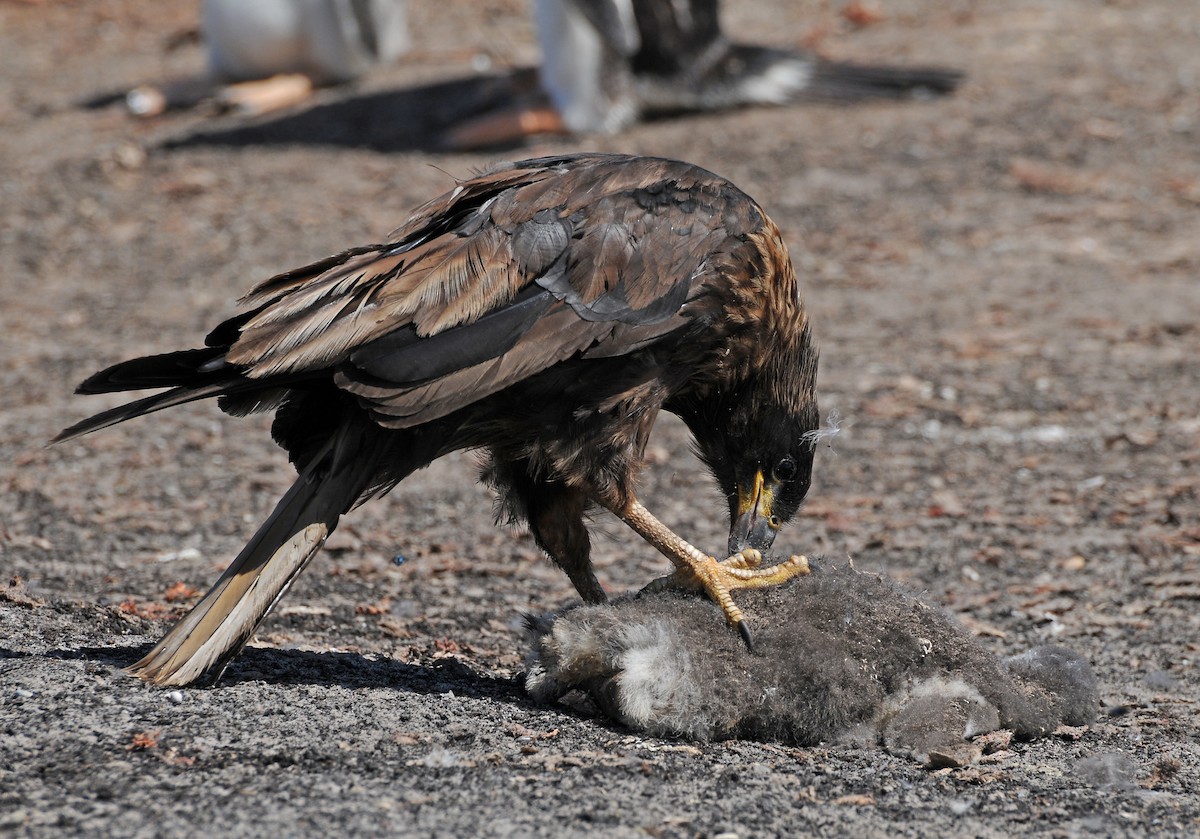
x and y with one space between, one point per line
543 313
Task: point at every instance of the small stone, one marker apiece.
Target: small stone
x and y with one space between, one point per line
14 818
1142 438
945 502
960 806
994 741
855 800
129 156
175 697
953 756
182 555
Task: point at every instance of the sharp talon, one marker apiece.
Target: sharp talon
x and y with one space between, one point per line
744 630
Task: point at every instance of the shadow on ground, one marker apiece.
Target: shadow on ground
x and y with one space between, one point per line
323 669
408 119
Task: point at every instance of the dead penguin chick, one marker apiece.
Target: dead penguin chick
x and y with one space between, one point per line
841 656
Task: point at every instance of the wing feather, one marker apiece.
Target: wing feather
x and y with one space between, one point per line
555 337
457 304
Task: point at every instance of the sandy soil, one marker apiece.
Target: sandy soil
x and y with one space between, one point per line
1004 284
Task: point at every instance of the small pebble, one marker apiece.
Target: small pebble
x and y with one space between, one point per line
183 555
22 693
960 806
1074 563
15 818
175 697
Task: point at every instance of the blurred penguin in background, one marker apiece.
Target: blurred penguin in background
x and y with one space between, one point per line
605 65
608 63
269 54
330 41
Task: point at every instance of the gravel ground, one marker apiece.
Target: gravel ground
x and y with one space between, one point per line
1004 284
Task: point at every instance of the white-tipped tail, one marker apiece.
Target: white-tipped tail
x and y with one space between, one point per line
220 624
217 628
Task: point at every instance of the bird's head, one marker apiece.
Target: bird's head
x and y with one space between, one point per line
755 423
764 472
758 442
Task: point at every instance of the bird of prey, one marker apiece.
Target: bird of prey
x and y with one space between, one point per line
542 312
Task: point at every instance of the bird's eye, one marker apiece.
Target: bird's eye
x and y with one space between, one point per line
785 469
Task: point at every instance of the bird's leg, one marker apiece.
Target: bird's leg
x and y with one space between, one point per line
505 125
694 568
555 514
262 96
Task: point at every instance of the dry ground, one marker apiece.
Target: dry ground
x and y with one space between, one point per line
1004 284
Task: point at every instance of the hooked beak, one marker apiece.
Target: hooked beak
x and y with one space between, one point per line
755 525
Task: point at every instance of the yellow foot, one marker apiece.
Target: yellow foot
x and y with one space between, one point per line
266 95
719 578
503 126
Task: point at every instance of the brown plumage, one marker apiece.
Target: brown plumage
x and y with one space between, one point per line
543 312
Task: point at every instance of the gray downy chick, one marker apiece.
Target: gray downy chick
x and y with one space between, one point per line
840 656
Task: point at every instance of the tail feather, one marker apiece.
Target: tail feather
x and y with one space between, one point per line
217 628
146 405
744 74
190 375
154 371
